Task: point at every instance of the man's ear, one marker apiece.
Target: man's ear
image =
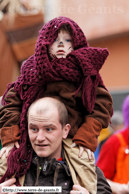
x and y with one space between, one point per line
66 130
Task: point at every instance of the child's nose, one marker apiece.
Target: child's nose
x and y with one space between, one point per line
61 43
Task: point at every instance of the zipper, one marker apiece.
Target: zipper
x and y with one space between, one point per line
45 166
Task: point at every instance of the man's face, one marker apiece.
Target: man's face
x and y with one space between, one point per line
62 46
46 133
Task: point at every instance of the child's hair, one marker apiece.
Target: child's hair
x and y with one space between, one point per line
66 27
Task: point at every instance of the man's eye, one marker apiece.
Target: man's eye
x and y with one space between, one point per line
33 129
49 129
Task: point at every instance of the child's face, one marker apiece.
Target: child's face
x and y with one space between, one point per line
62 46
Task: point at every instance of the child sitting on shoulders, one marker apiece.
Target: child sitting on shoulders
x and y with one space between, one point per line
64 67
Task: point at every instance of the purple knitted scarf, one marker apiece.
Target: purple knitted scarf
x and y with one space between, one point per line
81 67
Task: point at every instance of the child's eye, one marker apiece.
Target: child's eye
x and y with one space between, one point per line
68 40
56 40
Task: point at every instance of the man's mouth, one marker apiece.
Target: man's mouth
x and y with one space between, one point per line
42 145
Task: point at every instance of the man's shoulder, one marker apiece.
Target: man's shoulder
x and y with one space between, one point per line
3 165
3 159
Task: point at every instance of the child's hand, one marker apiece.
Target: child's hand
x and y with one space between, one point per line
81 149
8 148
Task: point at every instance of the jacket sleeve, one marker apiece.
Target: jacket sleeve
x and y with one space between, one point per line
10 118
102 185
88 132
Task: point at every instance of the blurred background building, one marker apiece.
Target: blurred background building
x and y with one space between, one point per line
104 22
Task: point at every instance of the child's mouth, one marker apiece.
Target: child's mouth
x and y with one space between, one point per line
60 52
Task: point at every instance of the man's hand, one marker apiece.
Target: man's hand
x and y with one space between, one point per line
8 148
77 189
81 149
8 183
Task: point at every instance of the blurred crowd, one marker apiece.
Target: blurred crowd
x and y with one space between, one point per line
112 155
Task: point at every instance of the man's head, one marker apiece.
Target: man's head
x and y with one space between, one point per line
47 126
63 45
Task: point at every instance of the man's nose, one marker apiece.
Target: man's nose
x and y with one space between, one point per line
40 136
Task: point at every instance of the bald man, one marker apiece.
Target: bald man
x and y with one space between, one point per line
47 127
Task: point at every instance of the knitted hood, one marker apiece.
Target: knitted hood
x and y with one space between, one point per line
81 67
